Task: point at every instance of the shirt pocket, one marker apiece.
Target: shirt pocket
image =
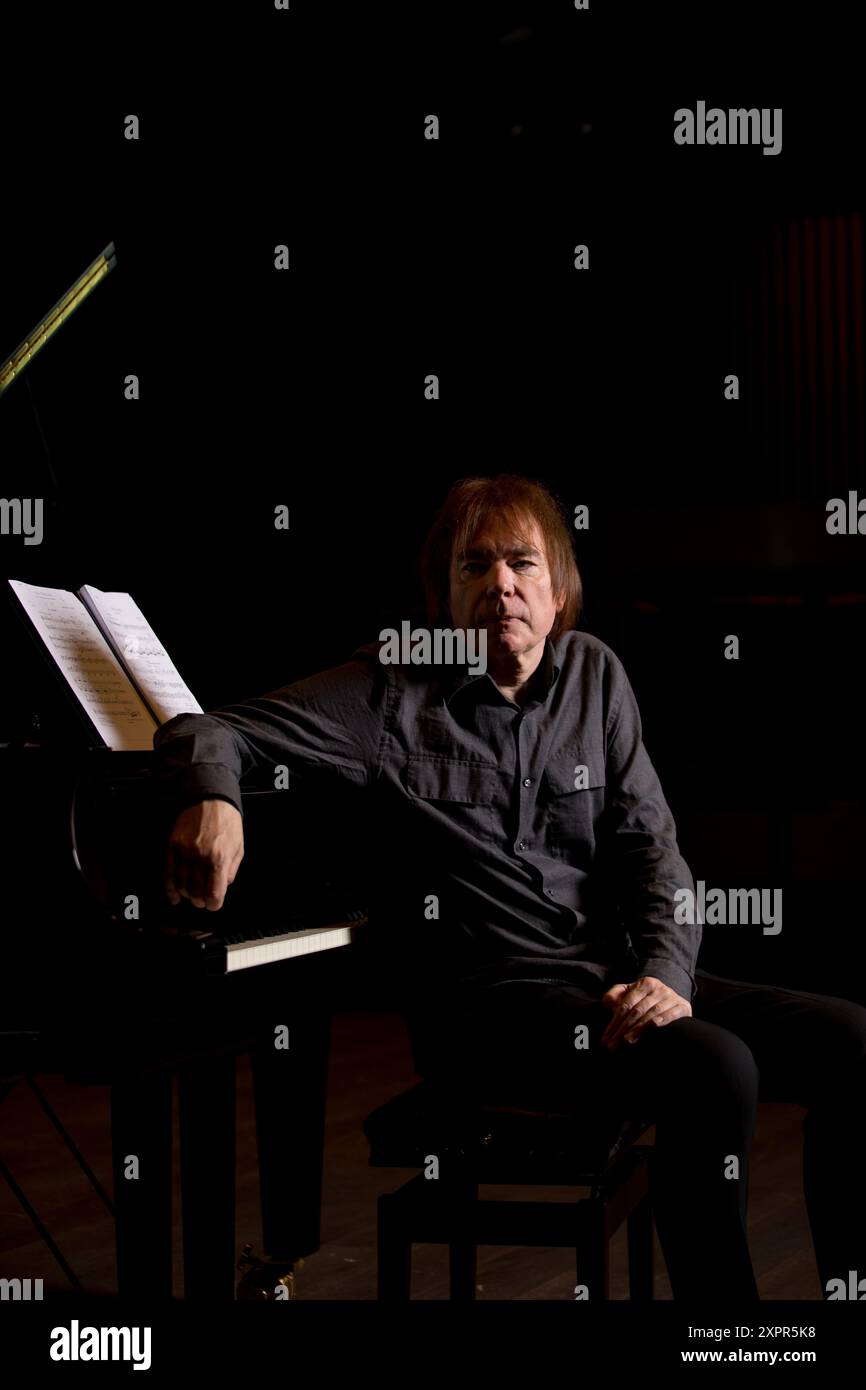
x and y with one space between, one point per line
575 794
464 796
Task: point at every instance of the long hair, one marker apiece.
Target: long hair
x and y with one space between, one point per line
516 502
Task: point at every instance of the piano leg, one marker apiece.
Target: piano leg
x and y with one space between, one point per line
290 1094
141 1128
206 1099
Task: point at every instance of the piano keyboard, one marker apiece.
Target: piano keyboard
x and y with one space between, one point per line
225 952
240 955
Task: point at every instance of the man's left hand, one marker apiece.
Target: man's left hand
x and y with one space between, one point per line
646 1003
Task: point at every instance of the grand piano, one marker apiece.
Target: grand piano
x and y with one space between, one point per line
174 992
133 1000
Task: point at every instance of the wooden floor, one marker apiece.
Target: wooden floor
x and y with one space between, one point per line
370 1062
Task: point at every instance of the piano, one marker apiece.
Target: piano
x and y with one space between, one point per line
106 982
133 1002
224 952
272 913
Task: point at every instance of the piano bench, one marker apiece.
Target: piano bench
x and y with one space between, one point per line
461 1144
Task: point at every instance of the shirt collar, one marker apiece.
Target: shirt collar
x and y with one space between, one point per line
546 673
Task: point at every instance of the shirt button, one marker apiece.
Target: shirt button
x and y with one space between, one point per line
549 892
521 844
527 781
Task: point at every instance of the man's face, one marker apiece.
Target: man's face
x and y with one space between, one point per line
501 578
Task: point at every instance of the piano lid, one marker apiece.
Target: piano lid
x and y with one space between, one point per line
17 362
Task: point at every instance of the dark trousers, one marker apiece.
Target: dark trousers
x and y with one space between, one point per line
699 1079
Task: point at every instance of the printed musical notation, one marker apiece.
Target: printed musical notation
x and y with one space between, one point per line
143 654
92 670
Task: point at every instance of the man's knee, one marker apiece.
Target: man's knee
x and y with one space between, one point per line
706 1061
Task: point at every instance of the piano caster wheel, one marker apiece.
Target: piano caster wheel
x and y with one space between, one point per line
268 1281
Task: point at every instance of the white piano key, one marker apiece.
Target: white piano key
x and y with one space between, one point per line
243 954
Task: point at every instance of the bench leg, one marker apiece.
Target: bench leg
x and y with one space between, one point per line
462 1270
462 1194
592 1250
394 1253
640 1252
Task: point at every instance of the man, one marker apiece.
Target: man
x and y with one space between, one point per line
532 868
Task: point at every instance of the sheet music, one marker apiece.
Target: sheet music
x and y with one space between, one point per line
89 665
152 668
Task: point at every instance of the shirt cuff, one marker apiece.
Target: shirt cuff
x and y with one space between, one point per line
670 974
192 785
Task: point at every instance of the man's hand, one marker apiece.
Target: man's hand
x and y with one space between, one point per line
205 849
646 1003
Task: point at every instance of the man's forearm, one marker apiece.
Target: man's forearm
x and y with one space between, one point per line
329 724
648 880
195 757
665 948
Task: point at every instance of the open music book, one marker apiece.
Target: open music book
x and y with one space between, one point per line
112 660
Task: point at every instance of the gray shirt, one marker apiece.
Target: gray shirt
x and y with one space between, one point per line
527 841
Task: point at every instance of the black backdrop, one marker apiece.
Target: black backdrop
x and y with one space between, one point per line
454 257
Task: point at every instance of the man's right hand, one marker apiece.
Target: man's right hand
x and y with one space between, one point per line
205 849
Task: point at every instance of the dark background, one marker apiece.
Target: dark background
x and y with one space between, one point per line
707 517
